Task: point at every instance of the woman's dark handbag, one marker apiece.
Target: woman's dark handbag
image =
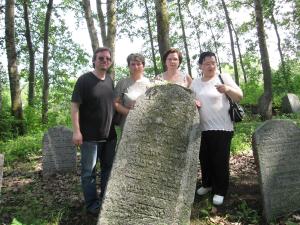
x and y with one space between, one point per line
236 112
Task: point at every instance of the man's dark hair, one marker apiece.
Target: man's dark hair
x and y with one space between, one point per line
101 49
203 55
136 57
172 50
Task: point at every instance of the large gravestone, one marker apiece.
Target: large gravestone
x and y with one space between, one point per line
153 179
1 170
290 104
59 153
276 148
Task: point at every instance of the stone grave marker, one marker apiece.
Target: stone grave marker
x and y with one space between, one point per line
290 104
1 170
153 179
59 153
276 148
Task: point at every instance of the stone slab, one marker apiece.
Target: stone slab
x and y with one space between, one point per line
290 103
59 153
153 179
276 148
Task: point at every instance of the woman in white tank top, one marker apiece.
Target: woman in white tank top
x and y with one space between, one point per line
172 59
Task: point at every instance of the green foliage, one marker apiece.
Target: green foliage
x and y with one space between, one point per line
7 121
242 138
22 148
120 73
246 214
252 91
286 80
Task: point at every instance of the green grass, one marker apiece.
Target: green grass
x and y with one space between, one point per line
23 148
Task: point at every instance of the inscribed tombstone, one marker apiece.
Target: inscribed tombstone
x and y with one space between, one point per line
290 103
1 170
276 147
59 154
153 179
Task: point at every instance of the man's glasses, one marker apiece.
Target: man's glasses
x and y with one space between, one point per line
101 59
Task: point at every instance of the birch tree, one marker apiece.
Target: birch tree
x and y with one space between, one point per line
31 76
14 77
45 64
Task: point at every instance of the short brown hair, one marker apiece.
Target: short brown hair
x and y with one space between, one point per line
172 50
101 49
136 57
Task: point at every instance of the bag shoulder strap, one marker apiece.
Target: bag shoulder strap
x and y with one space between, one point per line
222 81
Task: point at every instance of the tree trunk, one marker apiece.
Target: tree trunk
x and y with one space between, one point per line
14 77
240 54
265 102
111 25
228 21
215 44
196 27
273 21
45 64
151 39
90 24
162 22
188 61
102 23
108 30
31 77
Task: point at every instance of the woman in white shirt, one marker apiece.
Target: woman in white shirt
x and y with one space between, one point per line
172 59
216 125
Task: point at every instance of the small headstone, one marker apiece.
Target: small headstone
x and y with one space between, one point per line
290 104
1 170
276 148
153 179
59 153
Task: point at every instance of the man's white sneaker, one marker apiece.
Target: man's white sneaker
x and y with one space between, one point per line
218 200
203 190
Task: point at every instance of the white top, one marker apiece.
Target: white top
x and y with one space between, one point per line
137 89
182 80
214 105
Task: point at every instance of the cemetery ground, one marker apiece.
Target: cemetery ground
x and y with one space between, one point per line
28 198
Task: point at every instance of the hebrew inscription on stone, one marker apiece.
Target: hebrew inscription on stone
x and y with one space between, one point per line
153 179
59 153
276 148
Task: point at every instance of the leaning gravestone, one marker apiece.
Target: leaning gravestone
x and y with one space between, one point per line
59 154
290 103
276 147
153 179
1 170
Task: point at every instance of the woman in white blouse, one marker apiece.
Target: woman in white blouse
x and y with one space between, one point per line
216 125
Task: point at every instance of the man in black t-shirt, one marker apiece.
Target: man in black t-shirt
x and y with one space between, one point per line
92 112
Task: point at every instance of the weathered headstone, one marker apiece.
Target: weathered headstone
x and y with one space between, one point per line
276 148
1 170
290 103
59 153
153 179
